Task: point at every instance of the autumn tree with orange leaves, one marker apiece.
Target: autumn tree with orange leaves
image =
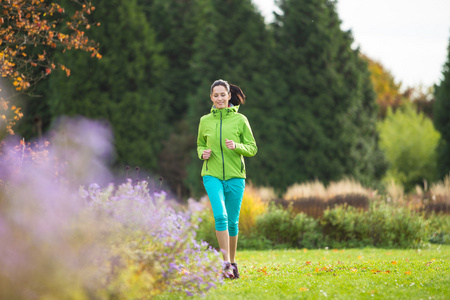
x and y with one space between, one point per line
29 32
387 90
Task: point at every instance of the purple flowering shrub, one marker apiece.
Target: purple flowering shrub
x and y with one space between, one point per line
60 241
155 244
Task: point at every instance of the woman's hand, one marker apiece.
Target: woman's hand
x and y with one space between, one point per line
206 154
230 144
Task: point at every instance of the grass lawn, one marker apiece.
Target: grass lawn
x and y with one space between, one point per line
338 274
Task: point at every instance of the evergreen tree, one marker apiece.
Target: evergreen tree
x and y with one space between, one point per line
441 113
121 88
328 102
175 25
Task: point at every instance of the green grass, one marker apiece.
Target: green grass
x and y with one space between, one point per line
338 274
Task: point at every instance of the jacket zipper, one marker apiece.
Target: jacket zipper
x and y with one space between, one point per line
221 149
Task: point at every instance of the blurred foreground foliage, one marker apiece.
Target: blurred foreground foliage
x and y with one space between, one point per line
119 241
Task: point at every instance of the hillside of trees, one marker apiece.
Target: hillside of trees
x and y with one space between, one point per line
310 96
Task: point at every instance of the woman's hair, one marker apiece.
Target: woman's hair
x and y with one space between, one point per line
237 95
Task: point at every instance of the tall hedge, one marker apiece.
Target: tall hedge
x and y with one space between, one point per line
326 98
123 88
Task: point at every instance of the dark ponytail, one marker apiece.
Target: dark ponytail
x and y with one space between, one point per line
237 95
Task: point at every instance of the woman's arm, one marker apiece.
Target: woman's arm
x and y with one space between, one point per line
201 142
247 147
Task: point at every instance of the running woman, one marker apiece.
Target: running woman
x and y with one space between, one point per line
224 138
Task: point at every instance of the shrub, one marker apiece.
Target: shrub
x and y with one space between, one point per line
409 142
154 244
439 228
345 226
254 241
284 229
381 226
252 207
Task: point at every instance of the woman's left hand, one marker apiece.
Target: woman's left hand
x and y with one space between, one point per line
230 144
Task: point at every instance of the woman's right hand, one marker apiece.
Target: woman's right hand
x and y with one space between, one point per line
206 154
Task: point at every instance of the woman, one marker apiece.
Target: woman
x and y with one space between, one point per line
224 138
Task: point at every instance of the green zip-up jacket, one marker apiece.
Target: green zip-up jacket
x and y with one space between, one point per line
214 128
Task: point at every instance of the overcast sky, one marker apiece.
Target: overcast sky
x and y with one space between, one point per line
409 37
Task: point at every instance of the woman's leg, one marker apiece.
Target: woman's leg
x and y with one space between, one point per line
234 192
215 191
224 243
233 248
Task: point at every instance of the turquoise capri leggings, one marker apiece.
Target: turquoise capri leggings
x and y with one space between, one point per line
226 199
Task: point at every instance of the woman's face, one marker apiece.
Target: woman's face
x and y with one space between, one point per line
220 96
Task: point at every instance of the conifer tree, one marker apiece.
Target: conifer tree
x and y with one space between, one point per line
328 102
123 87
441 112
175 26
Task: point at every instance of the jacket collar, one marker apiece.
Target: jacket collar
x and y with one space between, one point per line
225 111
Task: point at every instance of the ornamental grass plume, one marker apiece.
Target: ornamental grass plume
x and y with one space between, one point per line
306 190
347 186
266 194
313 198
395 192
440 196
62 241
442 188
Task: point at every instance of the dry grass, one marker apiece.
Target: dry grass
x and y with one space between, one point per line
439 197
265 193
441 188
313 198
347 187
435 199
317 190
306 190
395 192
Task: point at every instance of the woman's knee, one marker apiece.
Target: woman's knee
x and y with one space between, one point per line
221 222
233 229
